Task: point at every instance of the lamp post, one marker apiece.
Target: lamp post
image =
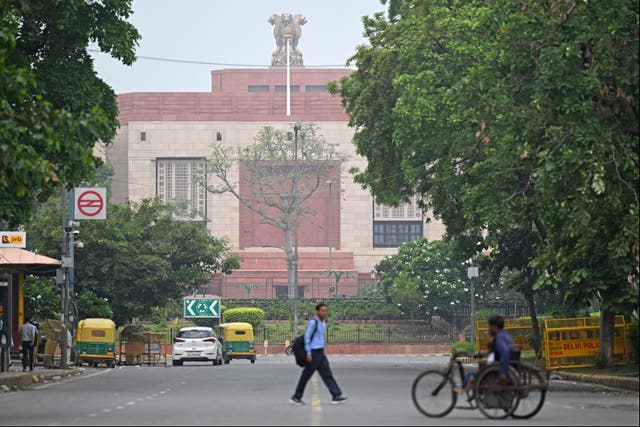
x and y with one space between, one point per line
330 229
296 129
472 273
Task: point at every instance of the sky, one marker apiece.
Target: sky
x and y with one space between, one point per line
229 32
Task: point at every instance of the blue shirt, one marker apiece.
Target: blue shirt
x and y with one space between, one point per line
503 345
318 338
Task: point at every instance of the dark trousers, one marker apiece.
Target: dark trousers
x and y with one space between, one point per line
320 363
27 355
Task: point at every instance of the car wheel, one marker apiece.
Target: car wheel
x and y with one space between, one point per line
215 362
253 360
177 363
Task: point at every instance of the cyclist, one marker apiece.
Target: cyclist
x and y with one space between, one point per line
500 347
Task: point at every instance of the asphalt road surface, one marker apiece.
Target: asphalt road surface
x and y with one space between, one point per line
378 388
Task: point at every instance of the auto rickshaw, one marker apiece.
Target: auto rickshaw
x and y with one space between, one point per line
96 342
237 341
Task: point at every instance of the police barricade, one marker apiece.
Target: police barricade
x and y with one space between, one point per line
155 346
575 343
49 339
520 329
131 345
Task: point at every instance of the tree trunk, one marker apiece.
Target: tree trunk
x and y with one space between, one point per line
528 296
607 333
291 267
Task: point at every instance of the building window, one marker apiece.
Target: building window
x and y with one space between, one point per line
396 225
143 136
315 88
258 88
405 211
283 88
179 183
391 234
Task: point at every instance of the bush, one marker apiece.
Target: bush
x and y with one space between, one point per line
252 315
464 346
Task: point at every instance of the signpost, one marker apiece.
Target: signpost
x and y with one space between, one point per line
13 239
201 308
90 203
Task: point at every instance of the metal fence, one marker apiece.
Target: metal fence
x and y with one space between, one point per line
379 335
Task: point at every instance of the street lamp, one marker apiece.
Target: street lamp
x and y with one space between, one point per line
296 129
330 229
472 273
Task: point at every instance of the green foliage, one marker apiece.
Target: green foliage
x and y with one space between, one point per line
434 271
140 257
42 298
463 346
484 314
53 106
518 124
252 315
91 305
351 309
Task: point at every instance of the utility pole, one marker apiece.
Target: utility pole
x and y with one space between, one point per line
64 363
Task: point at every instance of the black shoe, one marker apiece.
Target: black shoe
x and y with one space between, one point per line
296 401
338 400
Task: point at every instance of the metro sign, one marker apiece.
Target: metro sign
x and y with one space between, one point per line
201 308
90 203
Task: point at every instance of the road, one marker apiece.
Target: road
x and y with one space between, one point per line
378 388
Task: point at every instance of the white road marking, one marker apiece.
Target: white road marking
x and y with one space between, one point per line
148 397
106 410
131 403
92 415
75 378
154 395
140 399
162 392
120 407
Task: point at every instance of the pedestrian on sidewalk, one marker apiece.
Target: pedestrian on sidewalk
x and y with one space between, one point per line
316 359
29 334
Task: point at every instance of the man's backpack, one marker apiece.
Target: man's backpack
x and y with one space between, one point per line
298 347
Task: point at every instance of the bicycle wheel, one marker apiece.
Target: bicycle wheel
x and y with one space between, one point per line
433 394
532 392
496 400
288 351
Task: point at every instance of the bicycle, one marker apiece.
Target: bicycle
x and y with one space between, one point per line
521 396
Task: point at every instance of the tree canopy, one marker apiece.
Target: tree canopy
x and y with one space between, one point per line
518 123
53 106
140 257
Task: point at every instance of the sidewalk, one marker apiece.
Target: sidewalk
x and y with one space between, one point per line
628 383
16 379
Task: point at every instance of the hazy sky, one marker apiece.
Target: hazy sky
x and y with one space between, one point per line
232 32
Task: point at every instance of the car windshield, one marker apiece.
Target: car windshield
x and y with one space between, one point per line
194 334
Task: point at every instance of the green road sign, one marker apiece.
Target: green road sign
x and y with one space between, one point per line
201 307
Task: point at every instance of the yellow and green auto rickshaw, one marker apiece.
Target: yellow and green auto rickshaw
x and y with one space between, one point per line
96 342
237 341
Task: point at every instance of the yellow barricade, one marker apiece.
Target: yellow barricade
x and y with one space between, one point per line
520 330
575 343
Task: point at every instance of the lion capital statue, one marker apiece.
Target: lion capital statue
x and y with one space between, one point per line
281 24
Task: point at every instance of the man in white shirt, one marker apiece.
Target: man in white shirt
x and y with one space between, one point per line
29 334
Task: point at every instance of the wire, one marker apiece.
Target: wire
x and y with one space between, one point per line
220 64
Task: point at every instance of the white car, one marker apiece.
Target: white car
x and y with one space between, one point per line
197 344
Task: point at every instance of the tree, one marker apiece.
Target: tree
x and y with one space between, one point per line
405 293
53 106
438 274
280 180
136 259
518 123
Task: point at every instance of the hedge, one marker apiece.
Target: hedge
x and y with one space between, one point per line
344 308
252 315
